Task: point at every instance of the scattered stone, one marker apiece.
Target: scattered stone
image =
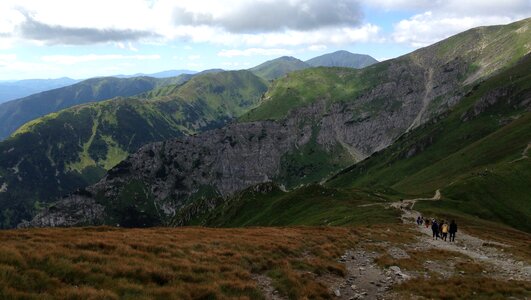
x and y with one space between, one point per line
395 269
337 293
353 287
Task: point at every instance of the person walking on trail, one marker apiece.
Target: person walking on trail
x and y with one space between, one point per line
435 229
444 230
452 230
418 220
427 223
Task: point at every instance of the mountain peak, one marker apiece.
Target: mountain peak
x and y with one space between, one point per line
278 67
342 58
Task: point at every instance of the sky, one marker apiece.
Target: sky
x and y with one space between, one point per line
89 38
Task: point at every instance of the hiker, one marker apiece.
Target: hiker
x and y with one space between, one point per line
435 229
427 223
444 230
441 222
452 230
418 220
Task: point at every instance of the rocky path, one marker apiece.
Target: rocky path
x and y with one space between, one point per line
501 264
366 280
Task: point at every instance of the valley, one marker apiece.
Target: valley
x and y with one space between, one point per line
290 179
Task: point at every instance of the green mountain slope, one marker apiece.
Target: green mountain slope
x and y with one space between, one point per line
60 152
476 154
278 67
479 52
342 58
313 205
15 113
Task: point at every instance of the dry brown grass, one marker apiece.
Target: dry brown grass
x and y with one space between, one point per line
418 258
206 263
164 263
518 242
460 287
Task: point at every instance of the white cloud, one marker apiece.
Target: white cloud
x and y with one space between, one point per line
11 64
235 65
7 57
317 48
262 16
128 46
74 59
328 36
445 18
232 22
255 52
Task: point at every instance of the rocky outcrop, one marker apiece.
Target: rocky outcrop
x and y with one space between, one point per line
75 210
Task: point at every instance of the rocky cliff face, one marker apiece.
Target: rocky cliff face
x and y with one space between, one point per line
76 210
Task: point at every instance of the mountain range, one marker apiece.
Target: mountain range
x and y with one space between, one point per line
162 74
439 118
281 66
14 114
83 140
14 89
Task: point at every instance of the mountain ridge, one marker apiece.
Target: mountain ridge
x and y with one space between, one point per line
278 67
15 89
342 58
15 113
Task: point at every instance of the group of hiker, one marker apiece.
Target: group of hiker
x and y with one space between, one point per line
440 229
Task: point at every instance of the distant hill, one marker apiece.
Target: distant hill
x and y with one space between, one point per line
10 90
162 74
279 67
342 58
17 112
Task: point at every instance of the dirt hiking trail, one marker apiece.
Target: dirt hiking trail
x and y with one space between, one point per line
366 279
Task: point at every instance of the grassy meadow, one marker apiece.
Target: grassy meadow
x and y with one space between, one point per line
165 263
209 263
